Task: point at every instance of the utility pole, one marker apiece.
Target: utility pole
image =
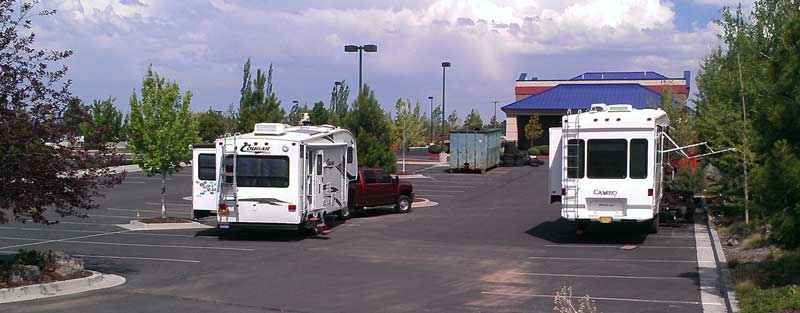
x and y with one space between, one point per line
431 118
495 111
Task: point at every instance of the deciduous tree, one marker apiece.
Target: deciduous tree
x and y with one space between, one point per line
161 129
41 166
103 125
212 124
533 130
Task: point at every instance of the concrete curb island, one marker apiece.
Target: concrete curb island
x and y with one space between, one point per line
725 281
60 288
137 225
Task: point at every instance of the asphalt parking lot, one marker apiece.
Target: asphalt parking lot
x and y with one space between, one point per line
493 244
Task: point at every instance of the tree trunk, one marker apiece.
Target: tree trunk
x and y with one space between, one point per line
163 194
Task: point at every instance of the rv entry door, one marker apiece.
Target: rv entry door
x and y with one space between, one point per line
318 180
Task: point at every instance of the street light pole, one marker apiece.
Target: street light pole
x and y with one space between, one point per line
360 50
430 120
444 66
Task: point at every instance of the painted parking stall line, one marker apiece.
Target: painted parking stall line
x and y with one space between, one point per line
534 295
602 276
134 258
615 260
54 240
73 240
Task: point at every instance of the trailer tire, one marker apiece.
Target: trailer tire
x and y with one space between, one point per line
652 226
403 204
345 213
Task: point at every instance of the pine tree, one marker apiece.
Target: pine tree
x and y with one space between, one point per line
212 124
372 131
319 114
104 124
473 120
258 103
161 129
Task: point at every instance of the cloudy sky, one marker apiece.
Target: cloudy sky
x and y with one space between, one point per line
203 44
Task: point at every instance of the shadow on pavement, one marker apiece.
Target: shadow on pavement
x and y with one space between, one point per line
563 232
279 235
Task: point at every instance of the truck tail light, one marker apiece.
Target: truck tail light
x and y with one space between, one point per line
563 191
650 192
292 208
223 208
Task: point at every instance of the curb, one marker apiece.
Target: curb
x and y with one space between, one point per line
136 225
60 288
725 282
424 204
423 163
411 176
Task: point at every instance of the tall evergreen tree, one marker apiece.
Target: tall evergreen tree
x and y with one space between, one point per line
372 131
75 114
319 114
473 120
258 103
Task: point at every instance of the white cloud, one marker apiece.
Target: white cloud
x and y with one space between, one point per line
203 45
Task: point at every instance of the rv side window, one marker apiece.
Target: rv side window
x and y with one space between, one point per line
349 155
206 166
262 171
607 158
638 158
575 158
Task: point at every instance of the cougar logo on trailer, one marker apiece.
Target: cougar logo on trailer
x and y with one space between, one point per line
612 193
254 149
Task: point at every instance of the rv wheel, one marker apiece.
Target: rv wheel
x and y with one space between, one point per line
403 204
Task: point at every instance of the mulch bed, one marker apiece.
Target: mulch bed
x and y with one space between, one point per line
46 278
164 220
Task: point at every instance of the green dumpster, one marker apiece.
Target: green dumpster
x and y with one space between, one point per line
475 149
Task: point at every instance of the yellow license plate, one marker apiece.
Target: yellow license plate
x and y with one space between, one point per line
605 219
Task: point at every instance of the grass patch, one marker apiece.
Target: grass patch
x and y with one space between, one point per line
754 241
756 300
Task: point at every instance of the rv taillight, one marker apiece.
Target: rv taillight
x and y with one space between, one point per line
563 191
649 119
595 120
618 119
292 208
650 192
223 208
606 120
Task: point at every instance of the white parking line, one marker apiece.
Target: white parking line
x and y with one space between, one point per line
71 240
134 258
600 276
433 195
55 240
168 204
617 246
136 233
439 190
132 182
533 295
151 211
614 260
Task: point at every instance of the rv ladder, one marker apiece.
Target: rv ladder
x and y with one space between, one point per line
569 133
226 182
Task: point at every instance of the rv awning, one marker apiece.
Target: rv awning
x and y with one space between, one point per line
325 144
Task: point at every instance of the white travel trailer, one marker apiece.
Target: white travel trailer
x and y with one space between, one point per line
606 164
278 176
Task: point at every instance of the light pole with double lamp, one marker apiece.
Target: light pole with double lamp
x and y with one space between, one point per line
444 66
360 50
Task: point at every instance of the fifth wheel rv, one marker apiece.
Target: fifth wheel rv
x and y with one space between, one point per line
278 176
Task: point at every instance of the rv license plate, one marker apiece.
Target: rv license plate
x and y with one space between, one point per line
605 219
224 226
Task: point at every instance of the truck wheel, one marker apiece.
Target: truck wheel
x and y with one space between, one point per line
403 204
652 226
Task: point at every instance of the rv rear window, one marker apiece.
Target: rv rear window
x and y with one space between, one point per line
576 154
206 166
262 171
638 158
607 158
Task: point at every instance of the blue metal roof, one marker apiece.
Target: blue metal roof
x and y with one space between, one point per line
582 96
618 76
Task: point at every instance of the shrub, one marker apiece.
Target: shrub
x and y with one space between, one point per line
30 257
533 150
544 149
436 149
754 241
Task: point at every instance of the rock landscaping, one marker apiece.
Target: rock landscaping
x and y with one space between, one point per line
30 267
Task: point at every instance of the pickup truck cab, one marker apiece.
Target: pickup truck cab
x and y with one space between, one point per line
374 187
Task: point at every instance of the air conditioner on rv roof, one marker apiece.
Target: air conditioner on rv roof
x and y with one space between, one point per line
269 129
620 108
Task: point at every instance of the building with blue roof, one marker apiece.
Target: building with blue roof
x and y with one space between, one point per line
550 99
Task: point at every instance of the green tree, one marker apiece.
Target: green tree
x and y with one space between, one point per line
372 131
75 114
296 114
161 129
319 114
533 130
493 123
212 124
258 102
104 124
435 123
338 104
473 120
231 119
453 122
409 124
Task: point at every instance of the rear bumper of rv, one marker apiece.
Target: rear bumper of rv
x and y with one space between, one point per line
628 215
265 226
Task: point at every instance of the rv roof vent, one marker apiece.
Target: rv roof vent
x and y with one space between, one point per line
269 129
620 108
598 107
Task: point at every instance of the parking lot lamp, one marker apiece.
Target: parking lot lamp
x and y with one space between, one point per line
360 50
444 66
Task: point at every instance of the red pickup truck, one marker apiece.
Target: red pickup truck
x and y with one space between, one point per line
374 187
